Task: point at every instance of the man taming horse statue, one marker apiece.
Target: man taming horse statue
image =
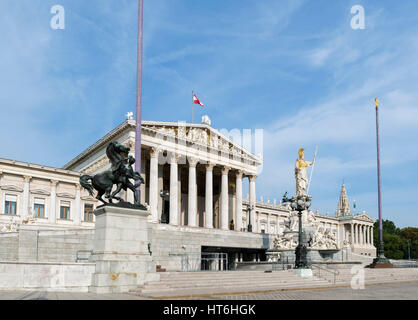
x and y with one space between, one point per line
119 174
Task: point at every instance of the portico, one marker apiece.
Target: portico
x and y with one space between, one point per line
202 170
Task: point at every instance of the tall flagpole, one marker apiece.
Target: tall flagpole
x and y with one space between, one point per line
139 94
192 106
381 260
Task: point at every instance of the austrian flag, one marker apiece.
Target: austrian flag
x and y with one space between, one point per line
196 100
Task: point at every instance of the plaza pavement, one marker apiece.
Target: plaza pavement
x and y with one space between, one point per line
397 291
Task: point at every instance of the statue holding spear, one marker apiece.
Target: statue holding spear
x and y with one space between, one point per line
301 173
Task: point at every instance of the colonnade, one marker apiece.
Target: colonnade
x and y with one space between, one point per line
192 211
361 234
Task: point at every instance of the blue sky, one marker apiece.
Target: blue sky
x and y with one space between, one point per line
295 69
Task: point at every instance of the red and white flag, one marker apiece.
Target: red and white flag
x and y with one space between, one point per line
196 100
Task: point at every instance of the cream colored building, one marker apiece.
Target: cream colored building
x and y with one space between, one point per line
203 173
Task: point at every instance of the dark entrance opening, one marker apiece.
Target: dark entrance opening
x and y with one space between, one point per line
236 254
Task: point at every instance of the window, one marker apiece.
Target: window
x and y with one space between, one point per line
88 212
65 210
10 205
39 208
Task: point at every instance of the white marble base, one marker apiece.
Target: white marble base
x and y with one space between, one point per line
121 254
304 273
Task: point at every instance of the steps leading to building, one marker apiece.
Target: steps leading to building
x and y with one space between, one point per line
182 284
175 284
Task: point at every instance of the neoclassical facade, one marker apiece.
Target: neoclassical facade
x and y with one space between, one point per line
194 178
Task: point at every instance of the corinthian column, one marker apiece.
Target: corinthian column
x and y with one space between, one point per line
25 211
371 236
357 233
174 218
192 205
209 197
224 199
252 200
238 206
153 184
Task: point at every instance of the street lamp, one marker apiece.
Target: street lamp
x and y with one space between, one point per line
250 208
300 203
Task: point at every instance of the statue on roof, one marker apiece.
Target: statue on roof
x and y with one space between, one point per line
119 174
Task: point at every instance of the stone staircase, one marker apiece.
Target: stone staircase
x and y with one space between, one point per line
371 276
186 284
189 284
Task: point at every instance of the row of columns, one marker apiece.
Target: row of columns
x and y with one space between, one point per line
192 193
361 234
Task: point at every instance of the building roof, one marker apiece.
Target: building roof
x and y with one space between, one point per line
155 126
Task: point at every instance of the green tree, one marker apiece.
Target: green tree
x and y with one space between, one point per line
410 234
394 244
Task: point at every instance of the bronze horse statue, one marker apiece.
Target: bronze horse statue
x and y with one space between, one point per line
120 173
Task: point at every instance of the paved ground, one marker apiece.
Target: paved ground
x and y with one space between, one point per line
407 291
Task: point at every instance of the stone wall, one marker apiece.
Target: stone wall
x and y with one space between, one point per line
9 244
74 277
169 242
44 245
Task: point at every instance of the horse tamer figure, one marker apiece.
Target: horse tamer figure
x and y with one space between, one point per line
119 174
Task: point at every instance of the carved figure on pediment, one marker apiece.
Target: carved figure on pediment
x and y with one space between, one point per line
181 132
192 134
235 151
203 137
214 141
171 131
168 131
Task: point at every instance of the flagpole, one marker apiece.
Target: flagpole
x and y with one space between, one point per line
381 259
139 94
192 106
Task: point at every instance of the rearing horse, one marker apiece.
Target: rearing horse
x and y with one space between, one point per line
120 173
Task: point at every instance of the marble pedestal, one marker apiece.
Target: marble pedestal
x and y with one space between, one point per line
120 253
304 273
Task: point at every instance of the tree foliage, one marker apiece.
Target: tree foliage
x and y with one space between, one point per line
396 240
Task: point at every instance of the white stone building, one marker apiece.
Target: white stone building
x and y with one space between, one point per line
203 172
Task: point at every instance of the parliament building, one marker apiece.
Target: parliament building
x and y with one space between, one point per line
194 179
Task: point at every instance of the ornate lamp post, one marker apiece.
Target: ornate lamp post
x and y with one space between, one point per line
250 209
300 203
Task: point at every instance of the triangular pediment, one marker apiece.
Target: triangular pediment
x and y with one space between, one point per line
201 134
198 134
365 217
